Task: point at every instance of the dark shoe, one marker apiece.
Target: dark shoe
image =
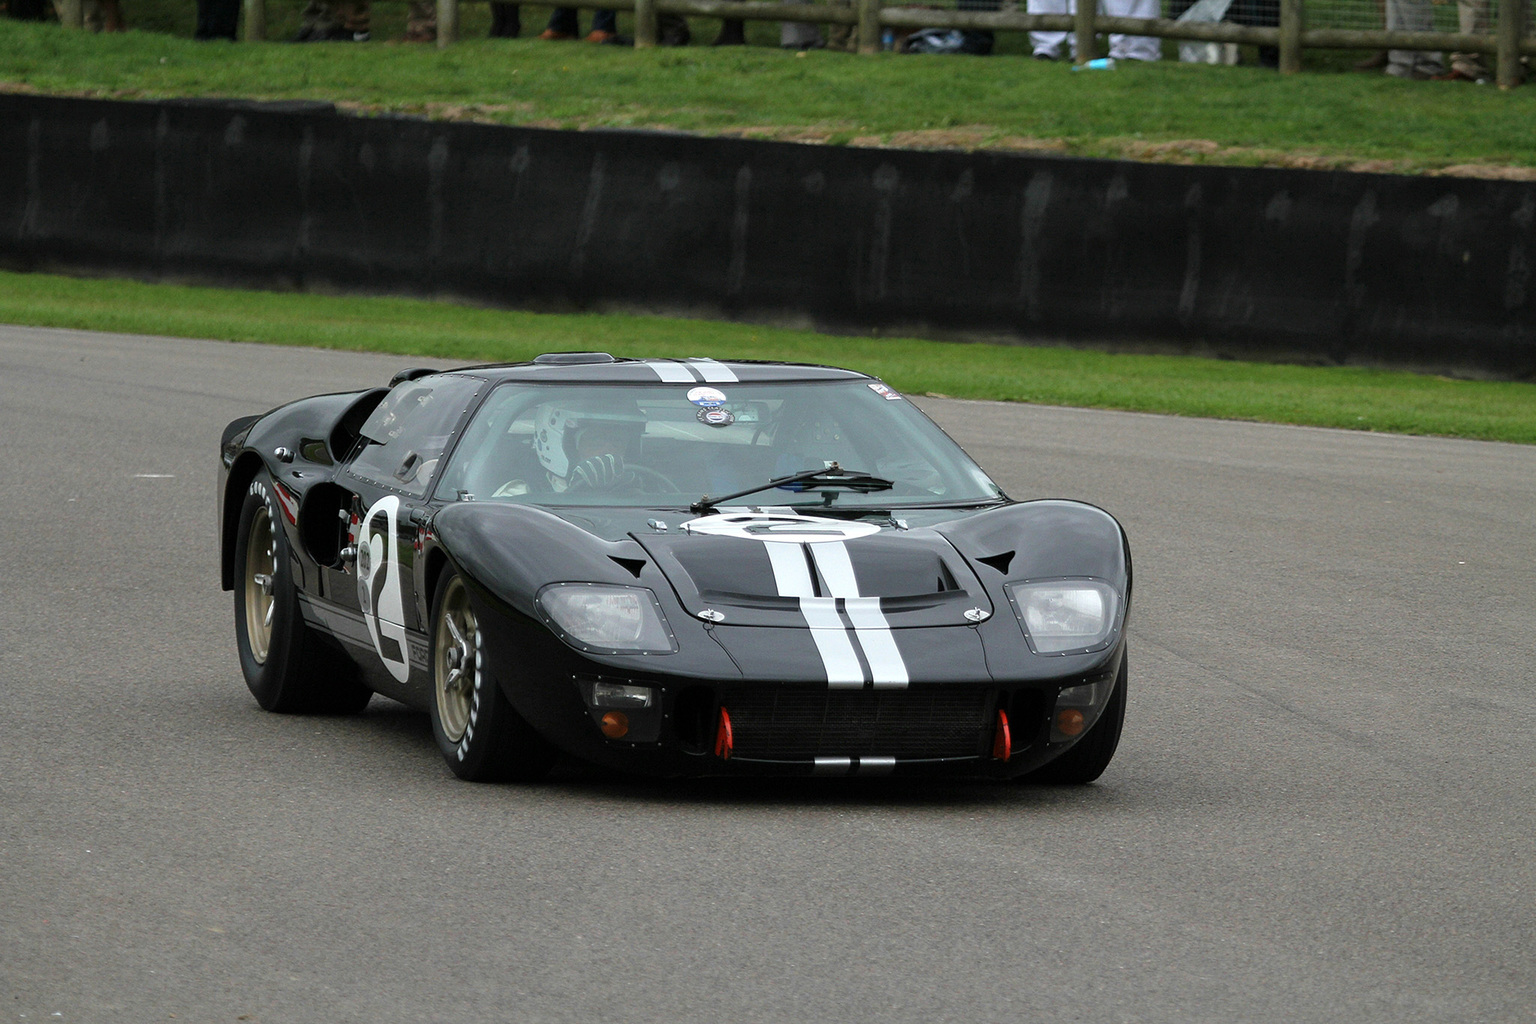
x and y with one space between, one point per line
1044 56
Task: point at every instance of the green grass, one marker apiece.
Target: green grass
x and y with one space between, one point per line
1347 397
1246 115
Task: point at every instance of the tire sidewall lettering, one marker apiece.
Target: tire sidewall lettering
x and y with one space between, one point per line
468 738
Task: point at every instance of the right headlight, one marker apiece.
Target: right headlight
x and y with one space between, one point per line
1059 616
607 619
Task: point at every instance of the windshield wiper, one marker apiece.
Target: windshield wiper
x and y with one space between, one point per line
829 480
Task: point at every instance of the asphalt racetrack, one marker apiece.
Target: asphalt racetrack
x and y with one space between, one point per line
1323 808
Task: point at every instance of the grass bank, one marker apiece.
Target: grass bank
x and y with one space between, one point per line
1162 111
1346 397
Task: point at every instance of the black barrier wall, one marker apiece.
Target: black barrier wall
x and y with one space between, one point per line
1430 273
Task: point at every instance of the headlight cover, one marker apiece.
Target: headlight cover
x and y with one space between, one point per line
1066 616
605 619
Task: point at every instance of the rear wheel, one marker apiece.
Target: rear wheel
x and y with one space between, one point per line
1087 760
481 736
288 668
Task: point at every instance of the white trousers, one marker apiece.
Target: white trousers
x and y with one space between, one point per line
1121 47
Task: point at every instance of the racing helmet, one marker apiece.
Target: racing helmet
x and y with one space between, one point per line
558 427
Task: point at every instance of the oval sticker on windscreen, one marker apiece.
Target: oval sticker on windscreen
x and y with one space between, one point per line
709 398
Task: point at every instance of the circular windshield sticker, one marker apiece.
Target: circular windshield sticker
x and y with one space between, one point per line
785 527
716 417
707 397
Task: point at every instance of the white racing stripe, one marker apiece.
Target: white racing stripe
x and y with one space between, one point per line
833 564
837 654
886 664
672 373
791 559
713 372
888 670
792 576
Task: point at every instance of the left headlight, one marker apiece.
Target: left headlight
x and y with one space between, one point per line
1065 615
607 619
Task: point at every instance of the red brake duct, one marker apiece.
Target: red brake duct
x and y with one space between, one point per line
1002 740
723 742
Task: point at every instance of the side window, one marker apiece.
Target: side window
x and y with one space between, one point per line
403 440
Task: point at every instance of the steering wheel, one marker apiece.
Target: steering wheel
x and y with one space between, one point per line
645 474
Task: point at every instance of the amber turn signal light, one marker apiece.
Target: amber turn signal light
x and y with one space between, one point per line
615 724
1069 721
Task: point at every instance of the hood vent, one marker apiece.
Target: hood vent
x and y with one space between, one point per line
634 565
998 562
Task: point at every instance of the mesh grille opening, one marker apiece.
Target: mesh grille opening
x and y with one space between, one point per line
793 725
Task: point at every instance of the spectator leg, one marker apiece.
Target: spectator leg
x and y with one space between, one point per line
1050 44
1124 47
562 24
1411 16
506 21
1472 18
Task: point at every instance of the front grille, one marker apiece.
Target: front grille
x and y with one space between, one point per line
798 725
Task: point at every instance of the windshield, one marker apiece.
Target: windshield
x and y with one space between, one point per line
673 444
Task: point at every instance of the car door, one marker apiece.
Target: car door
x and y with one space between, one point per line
390 475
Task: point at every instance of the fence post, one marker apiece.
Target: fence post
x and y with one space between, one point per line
869 26
1511 14
255 20
1291 24
645 24
1087 44
72 13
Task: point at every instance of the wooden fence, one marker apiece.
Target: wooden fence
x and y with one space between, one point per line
872 17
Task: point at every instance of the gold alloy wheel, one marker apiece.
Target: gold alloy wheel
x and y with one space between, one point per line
456 660
260 570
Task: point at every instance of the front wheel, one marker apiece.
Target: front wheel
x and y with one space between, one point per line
287 667
1087 760
480 734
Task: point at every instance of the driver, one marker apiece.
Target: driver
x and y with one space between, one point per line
581 444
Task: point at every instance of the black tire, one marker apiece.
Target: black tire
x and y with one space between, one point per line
481 736
1087 760
289 669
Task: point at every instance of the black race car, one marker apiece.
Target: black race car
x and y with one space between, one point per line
678 567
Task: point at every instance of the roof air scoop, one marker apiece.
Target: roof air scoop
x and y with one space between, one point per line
573 358
414 373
